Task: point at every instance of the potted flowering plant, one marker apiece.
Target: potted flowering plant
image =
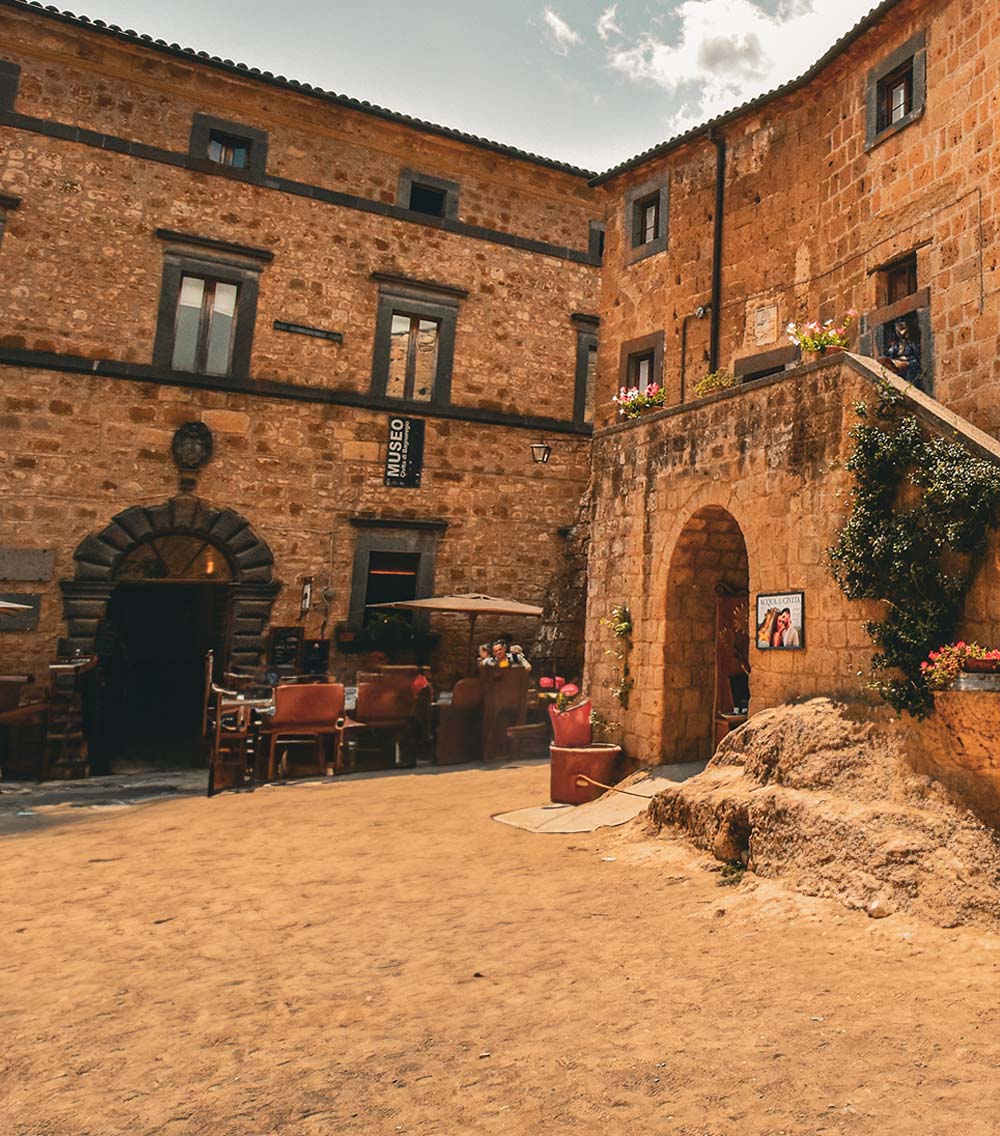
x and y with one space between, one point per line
574 754
632 402
943 666
822 337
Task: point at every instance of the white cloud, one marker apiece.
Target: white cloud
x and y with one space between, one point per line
561 35
607 24
728 51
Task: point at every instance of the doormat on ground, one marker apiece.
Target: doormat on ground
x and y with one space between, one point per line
606 812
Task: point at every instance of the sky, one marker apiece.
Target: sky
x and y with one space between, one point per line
582 81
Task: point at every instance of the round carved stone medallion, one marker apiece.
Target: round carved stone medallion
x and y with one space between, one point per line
192 446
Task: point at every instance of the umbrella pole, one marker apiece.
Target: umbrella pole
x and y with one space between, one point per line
473 616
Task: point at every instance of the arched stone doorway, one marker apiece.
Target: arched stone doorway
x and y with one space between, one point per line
707 632
152 593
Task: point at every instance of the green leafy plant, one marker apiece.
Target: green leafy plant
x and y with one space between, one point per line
620 622
603 730
716 381
731 875
921 510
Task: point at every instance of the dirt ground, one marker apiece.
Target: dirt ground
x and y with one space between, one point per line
376 955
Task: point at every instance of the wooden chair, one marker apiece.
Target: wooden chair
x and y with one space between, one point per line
505 704
459 735
231 737
305 713
386 717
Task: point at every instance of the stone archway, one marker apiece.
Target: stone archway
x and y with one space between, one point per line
98 558
709 560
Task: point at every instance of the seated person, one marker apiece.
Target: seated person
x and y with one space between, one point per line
504 656
902 352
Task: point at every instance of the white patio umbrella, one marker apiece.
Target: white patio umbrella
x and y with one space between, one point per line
471 604
6 605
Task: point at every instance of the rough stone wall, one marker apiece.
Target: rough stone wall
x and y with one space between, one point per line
96 288
81 274
770 458
809 216
77 450
99 83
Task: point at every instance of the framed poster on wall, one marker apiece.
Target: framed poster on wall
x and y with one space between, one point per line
781 621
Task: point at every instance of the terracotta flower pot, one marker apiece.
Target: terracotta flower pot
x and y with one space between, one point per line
980 666
599 762
572 727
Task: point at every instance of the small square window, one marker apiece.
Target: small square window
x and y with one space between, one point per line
646 220
896 90
900 279
229 145
641 369
426 199
228 150
895 95
426 194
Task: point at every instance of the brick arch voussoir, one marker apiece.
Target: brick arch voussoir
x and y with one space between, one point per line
98 555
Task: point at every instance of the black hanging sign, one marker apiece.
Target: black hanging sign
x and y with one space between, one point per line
404 461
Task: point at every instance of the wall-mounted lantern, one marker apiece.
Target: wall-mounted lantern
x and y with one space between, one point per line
540 453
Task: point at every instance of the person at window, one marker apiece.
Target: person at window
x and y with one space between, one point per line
485 658
903 352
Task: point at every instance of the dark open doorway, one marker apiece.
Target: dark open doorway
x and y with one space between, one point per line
152 685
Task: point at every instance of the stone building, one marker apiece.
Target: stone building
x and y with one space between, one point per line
300 280
301 277
872 183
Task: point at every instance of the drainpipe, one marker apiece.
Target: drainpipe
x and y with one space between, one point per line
716 308
699 313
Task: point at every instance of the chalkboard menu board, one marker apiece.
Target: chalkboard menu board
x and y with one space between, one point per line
315 656
286 647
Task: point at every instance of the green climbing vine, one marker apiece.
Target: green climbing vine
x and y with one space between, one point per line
620 622
921 509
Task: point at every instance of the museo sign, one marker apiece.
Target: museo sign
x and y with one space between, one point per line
404 460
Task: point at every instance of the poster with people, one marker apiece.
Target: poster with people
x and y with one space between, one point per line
781 621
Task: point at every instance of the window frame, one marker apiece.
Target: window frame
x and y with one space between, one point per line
8 203
408 178
910 59
390 535
587 340
634 349
177 265
10 80
412 302
640 197
410 365
203 126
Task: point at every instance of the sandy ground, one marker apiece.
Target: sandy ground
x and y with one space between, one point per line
376 955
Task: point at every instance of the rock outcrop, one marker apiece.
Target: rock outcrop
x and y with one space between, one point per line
824 797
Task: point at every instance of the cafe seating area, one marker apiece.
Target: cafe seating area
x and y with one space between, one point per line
313 726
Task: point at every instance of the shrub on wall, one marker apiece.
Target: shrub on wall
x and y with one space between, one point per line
921 510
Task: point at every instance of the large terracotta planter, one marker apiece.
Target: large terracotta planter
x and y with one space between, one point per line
599 762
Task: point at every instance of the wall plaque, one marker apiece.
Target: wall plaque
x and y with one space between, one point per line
404 460
26 563
765 324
